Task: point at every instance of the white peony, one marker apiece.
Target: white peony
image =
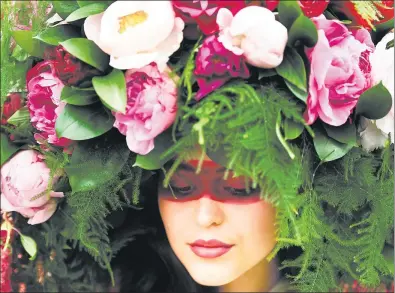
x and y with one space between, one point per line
382 62
136 33
254 33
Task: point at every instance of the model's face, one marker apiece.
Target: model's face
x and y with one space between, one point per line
217 230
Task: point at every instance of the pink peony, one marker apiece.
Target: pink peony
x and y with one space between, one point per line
340 71
22 178
151 107
44 89
215 65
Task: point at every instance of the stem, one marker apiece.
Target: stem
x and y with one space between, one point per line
281 138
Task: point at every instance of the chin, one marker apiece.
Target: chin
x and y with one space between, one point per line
208 275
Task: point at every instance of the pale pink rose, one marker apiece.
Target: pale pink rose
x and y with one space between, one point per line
44 89
340 71
22 178
136 33
151 107
254 33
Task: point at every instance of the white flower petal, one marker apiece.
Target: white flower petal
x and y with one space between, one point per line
143 36
264 46
133 61
251 16
92 27
371 137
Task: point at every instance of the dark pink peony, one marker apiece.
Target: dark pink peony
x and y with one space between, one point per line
44 89
215 65
340 71
151 107
204 12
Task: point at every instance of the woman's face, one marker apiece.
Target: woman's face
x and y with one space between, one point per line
217 230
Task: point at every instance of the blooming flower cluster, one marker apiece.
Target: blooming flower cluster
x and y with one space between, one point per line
238 40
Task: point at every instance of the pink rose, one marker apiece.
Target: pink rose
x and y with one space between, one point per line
22 178
151 107
44 89
340 71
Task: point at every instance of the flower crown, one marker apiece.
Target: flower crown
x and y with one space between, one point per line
297 95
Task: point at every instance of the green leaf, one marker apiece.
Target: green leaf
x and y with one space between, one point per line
32 46
88 52
389 45
19 54
83 122
7 148
97 161
112 90
303 29
346 133
57 34
64 8
289 11
300 94
219 155
262 73
83 3
85 11
78 96
375 103
20 117
327 148
29 245
292 129
153 160
293 69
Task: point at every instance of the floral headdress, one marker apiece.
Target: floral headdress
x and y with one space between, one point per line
296 95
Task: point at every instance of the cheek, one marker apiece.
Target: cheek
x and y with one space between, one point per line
258 229
174 217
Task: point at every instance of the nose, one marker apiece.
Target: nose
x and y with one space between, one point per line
209 212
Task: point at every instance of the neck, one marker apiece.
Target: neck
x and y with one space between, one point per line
260 278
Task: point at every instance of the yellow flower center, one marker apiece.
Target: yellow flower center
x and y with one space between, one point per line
131 20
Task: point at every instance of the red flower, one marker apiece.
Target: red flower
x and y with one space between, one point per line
215 65
270 4
366 13
11 105
204 12
313 8
5 264
69 69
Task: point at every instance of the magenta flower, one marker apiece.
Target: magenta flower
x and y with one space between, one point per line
215 65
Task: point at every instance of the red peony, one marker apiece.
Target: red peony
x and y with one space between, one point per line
310 8
215 65
69 69
366 13
11 105
313 8
269 4
43 100
204 12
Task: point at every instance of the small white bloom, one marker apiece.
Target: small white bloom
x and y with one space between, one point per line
254 33
374 134
371 137
136 33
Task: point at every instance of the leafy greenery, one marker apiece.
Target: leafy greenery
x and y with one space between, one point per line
83 122
112 90
13 72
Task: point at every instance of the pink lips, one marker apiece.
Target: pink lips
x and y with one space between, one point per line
210 249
